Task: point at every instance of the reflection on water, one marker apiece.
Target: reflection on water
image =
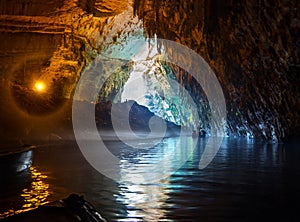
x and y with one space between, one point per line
33 196
38 192
150 202
143 202
246 181
146 201
139 166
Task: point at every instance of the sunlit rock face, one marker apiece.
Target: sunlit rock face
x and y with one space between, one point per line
253 47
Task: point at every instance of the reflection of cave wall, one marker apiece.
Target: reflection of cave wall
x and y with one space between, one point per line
253 48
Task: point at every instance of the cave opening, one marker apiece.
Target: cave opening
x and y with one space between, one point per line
152 85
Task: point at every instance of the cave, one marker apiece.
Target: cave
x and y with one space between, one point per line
146 76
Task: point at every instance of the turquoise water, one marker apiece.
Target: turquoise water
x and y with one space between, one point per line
246 181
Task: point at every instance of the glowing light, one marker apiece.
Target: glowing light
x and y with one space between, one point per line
39 86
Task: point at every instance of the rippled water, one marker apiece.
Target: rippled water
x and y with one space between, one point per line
246 181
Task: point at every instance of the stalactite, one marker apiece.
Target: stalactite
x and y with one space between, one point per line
250 46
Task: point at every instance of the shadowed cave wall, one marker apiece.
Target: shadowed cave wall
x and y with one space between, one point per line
252 46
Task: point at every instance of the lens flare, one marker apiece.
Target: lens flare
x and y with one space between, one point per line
39 86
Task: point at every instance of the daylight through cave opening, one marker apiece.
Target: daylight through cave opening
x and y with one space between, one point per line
151 82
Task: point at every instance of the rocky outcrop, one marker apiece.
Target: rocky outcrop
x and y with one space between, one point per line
139 117
254 50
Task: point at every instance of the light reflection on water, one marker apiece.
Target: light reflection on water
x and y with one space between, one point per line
246 181
156 163
146 201
33 196
37 194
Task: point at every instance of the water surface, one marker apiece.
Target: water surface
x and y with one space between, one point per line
247 181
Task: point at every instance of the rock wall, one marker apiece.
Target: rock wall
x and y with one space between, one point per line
29 7
252 46
51 42
104 8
